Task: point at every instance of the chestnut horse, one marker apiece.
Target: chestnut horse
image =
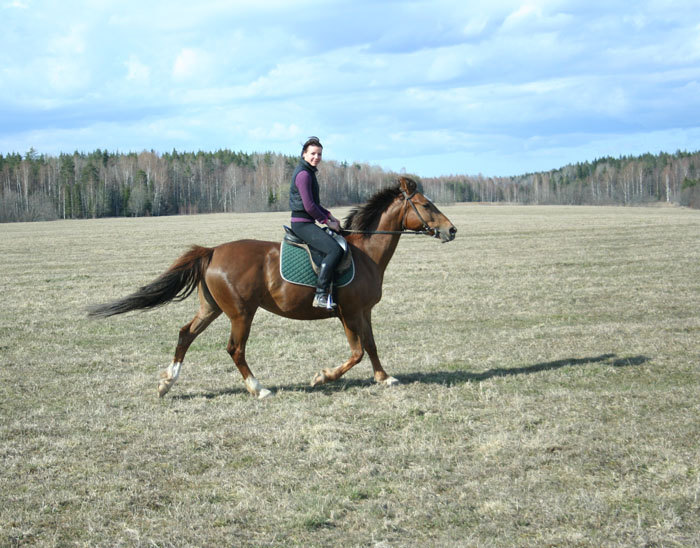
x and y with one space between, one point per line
239 277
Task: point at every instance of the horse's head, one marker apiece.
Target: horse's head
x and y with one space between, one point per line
422 214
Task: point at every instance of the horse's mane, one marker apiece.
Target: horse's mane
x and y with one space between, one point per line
366 217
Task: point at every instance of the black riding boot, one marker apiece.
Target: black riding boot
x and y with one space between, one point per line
323 299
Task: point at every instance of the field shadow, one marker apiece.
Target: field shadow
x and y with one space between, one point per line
209 394
436 377
457 377
338 386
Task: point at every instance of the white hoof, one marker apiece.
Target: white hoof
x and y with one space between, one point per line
391 381
255 388
168 378
319 378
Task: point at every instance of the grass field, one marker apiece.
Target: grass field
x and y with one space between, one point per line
550 381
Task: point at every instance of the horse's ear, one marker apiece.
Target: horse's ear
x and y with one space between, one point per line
407 185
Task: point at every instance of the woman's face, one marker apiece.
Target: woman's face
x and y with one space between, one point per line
313 154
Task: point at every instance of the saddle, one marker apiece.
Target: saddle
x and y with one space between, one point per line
315 256
300 263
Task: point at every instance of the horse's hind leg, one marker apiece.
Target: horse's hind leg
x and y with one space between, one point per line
240 329
207 313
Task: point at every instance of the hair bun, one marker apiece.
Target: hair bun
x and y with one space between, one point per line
312 141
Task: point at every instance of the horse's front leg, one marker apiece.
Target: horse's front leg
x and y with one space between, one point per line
352 332
370 346
359 334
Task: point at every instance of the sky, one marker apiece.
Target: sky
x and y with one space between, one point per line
434 87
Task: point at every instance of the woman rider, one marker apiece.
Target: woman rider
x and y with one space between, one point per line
306 211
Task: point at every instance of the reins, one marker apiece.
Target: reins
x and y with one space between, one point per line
415 232
425 232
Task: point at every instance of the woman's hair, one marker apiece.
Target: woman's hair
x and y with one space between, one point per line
311 142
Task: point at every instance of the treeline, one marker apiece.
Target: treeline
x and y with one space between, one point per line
102 184
627 180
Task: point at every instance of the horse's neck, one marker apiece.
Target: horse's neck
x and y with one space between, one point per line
381 247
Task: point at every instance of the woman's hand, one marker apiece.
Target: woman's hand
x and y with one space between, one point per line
333 224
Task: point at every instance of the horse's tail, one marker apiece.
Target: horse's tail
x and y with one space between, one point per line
175 284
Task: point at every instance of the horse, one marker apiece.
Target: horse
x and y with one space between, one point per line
239 277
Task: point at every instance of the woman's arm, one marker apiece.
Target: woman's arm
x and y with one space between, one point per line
318 212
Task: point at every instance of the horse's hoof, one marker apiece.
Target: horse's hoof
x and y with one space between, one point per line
319 378
168 378
255 388
164 387
390 381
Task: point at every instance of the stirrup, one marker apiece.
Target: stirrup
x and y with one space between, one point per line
323 300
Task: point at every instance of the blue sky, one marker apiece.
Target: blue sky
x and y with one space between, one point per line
435 87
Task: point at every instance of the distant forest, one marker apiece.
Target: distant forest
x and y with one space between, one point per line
37 187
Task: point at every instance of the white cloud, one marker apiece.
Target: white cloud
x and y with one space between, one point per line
449 63
137 71
475 26
66 75
276 132
71 43
511 78
191 63
522 14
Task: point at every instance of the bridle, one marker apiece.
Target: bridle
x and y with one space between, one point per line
407 198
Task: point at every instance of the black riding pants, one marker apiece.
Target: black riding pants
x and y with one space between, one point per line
317 238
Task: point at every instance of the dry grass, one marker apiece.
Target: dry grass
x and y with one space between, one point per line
549 366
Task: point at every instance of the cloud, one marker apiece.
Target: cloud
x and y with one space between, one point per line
394 81
137 71
67 75
277 132
72 42
189 63
522 15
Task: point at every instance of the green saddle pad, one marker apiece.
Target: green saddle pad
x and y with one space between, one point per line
295 267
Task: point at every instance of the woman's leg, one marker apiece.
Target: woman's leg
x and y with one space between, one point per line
317 238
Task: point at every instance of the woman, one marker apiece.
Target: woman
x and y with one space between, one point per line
306 211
